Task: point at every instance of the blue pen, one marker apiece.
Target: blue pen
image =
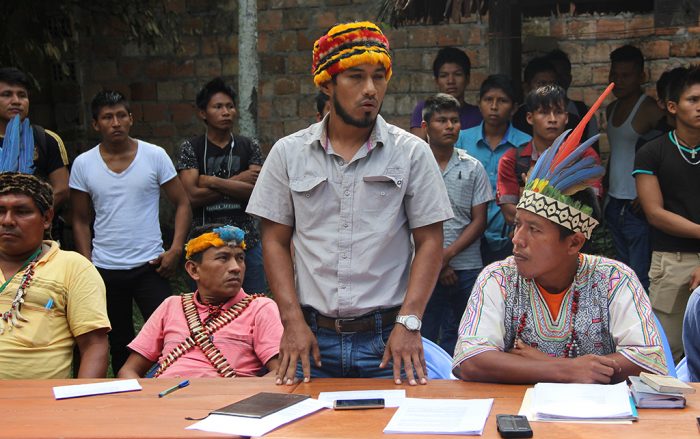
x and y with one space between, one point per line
49 304
174 388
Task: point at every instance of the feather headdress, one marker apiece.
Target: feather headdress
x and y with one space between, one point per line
561 172
17 153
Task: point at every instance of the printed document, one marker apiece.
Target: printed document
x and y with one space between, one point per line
440 416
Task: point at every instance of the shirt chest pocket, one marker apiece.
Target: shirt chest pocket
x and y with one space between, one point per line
381 192
308 198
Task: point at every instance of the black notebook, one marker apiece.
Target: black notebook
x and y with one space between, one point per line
260 405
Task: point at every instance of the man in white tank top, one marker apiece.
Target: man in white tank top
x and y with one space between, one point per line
630 116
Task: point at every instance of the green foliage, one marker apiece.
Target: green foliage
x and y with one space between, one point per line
40 31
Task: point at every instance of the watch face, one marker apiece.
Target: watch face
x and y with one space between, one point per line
412 323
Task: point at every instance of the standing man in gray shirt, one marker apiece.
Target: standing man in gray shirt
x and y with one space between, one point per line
351 191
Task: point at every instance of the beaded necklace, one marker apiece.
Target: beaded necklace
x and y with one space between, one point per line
12 316
681 149
571 347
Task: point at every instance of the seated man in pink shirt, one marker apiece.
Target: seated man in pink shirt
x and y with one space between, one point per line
218 330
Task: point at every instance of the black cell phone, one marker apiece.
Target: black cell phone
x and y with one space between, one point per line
355 404
513 426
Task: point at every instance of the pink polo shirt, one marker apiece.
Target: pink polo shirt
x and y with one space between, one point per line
248 342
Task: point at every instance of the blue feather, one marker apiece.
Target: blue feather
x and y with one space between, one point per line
10 147
26 152
561 174
580 176
541 168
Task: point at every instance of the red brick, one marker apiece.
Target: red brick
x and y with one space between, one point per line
192 25
557 28
270 21
582 28
284 41
208 67
104 70
177 6
141 130
425 36
449 37
325 19
279 4
610 28
189 46
164 130
296 19
182 113
640 25
154 112
228 44
575 93
143 91
264 109
404 60
299 63
209 45
690 48
274 64
136 111
398 38
230 66
694 29
598 52
600 74
306 40
656 49
476 34
665 31
286 86
157 69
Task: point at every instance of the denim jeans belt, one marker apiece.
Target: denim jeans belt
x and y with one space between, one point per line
363 323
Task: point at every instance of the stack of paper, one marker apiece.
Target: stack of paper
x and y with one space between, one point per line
647 398
582 402
440 416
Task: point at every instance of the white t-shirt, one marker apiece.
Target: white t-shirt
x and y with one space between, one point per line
127 229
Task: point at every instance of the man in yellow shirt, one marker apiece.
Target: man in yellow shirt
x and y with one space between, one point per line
50 299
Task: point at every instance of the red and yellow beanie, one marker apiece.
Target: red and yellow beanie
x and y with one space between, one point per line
348 45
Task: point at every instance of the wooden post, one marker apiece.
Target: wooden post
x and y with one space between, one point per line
248 70
504 35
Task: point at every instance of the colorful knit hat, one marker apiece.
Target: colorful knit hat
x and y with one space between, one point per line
348 45
561 172
219 237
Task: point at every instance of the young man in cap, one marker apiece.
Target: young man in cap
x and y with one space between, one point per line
352 192
549 312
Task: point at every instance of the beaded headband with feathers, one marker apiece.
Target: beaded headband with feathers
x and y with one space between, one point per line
562 171
348 45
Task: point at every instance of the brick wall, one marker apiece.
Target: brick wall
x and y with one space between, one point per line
162 84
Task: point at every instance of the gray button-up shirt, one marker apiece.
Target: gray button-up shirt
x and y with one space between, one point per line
467 185
351 221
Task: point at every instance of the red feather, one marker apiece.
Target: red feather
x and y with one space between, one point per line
574 139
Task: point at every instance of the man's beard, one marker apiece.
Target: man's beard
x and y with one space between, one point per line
365 122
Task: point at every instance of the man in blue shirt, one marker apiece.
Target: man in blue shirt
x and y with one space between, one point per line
487 143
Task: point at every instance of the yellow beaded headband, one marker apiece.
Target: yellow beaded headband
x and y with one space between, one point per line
219 237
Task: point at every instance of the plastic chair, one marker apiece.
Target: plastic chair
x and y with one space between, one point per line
667 349
438 361
682 370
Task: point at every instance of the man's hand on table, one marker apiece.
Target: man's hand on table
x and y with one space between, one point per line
406 347
297 343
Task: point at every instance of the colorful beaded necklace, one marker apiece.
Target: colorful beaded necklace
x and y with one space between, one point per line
12 316
571 347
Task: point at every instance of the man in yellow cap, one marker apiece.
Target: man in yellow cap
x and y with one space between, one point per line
352 191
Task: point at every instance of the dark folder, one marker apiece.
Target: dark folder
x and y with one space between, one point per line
260 405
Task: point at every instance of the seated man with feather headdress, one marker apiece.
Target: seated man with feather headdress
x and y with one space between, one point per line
549 312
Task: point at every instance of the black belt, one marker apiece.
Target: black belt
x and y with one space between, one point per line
363 323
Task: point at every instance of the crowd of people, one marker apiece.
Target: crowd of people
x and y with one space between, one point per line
473 230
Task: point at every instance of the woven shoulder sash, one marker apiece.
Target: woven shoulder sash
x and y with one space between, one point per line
200 335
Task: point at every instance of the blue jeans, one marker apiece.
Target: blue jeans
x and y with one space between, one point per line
350 355
445 309
630 234
254 280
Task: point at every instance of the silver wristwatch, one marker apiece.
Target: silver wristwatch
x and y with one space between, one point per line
411 322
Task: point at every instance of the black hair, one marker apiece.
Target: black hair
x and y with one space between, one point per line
537 65
668 78
216 85
628 53
682 79
499 81
451 55
559 55
14 76
546 97
107 98
438 103
321 99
